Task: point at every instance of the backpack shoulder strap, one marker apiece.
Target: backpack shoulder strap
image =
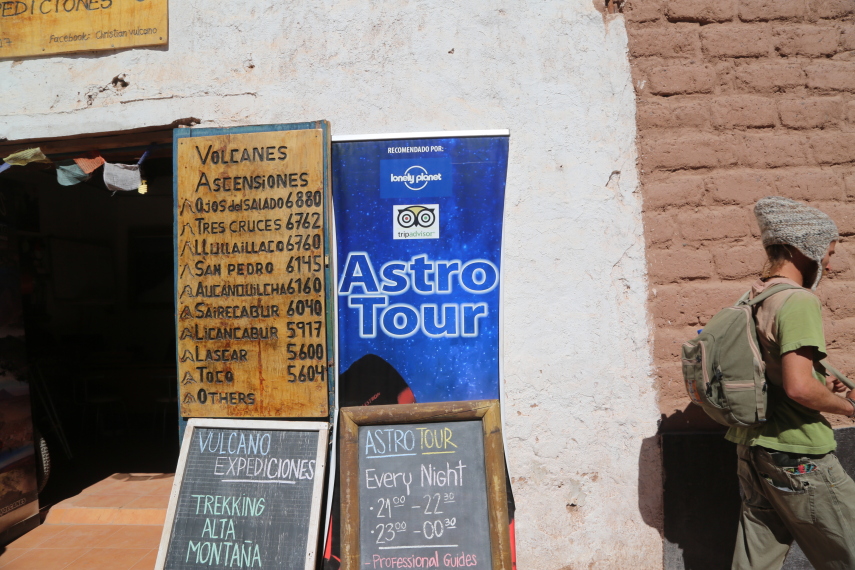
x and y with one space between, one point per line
766 294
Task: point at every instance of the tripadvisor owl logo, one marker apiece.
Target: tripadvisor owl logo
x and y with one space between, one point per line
416 216
415 221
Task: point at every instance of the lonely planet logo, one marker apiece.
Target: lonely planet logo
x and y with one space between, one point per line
415 178
415 222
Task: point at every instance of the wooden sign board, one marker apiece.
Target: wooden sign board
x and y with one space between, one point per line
423 486
42 27
252 277
247 494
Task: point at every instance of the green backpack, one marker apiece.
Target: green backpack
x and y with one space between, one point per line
723 367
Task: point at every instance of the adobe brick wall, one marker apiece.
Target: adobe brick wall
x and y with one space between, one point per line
738 99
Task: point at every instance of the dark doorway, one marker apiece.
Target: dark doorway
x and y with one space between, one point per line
97 291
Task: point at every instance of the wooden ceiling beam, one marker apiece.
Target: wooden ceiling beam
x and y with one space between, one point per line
110 142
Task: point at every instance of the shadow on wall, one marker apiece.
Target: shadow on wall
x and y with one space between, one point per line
650 482
692 419
701 494
701 500
652 472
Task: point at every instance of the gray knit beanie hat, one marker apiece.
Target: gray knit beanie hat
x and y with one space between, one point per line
787 222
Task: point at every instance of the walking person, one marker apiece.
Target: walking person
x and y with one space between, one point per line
793 485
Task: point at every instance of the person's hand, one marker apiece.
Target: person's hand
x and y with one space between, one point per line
835 385
851 394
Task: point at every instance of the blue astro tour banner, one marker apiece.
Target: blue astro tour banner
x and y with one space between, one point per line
419 230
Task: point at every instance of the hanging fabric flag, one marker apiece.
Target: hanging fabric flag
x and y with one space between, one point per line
23 157
68 173
124 177
5 166
91 162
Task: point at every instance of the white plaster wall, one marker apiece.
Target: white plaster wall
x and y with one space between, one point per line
580 402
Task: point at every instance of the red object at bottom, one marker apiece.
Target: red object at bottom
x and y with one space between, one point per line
513 540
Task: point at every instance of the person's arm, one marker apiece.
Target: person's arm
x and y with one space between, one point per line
804 388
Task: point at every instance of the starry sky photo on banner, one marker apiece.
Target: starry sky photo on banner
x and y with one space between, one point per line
419 233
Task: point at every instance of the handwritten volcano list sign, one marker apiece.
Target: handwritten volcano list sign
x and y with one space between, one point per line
251 274
247 495
41 27
423 486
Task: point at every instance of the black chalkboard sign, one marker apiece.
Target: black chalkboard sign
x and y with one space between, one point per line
423 486
247 494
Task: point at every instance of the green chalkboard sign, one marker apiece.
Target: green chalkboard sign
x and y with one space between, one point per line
423 486
247 494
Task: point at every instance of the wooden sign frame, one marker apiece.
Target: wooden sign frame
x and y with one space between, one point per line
298 408
487 411
318 496
57 27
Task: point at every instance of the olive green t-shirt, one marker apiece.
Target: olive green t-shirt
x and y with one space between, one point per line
791 427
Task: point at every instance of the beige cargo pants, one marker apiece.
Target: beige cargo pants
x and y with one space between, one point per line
816 508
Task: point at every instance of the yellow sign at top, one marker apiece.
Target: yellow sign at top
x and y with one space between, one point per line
42 27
